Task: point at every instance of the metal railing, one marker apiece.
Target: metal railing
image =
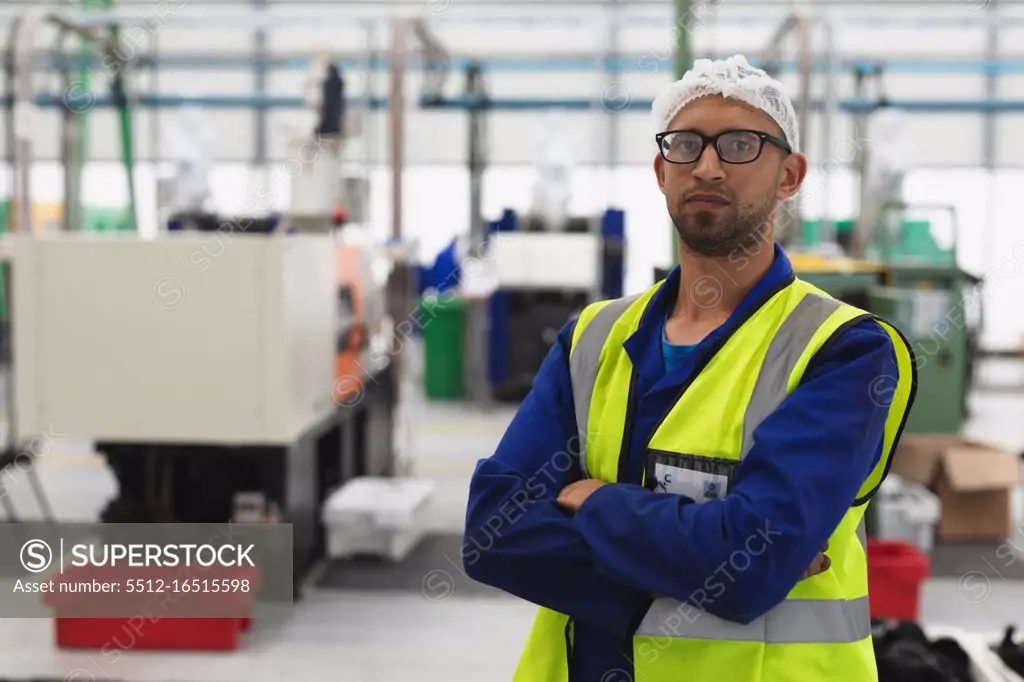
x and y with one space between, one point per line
480 15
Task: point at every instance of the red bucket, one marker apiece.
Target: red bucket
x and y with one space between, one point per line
896 571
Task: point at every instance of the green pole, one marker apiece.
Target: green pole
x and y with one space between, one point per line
685 22
124 115
85 77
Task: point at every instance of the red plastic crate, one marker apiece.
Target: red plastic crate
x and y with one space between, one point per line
108 634
189 621
896 571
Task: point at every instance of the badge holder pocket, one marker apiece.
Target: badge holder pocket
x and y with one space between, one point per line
699 478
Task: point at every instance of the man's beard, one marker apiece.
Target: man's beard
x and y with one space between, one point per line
718 235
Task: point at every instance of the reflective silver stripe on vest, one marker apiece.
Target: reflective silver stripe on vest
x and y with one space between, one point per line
783 353
794 621
583 365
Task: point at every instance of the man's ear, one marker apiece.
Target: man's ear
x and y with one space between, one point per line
794 170
659 172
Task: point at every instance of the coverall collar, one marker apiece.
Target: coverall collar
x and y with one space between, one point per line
644 346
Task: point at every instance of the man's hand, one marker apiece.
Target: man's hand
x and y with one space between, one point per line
820 564
572 496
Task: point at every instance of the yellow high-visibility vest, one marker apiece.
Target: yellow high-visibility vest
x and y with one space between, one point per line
822 630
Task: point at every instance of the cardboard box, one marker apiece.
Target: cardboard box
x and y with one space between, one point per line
973 480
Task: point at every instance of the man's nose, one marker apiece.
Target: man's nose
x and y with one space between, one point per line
709 167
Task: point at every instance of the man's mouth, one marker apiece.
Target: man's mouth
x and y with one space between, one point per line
707 200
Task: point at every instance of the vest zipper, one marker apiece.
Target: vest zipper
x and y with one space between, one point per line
568 649
622 476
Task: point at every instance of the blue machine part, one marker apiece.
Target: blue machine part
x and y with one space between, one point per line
506 223
498 346
613 224
446 271
444 274
613 271
613 230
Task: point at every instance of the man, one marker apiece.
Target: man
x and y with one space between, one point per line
731 372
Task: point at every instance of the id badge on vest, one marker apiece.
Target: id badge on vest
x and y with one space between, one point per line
699 478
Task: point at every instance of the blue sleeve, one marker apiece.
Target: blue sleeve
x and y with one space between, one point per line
810 458
516 538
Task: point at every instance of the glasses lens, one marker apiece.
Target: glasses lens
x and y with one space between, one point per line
682 147
739 147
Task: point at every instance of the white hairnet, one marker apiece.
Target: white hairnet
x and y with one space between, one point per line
734 78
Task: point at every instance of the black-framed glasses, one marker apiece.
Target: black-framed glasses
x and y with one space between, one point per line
733 146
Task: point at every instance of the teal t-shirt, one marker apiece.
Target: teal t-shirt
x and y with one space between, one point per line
671 353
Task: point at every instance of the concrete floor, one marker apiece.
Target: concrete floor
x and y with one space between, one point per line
392 637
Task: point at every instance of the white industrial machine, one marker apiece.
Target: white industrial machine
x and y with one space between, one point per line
203 365
560 261
226 356
539 280
190 338
206 361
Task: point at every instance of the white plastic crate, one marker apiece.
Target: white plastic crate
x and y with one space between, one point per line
907 511
377 516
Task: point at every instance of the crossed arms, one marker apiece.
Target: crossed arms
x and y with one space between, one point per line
599 553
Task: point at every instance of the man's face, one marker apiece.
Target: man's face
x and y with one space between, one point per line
719 208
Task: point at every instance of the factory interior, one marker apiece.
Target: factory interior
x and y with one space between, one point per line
407 200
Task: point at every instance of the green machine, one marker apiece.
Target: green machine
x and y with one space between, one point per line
937 306
930 306
916 285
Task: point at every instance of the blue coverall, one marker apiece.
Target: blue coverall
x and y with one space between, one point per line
603 565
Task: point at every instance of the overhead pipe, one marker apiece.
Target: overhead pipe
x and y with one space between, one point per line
566 61
273 18
459 102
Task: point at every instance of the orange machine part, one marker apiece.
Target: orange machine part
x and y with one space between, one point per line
347 362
